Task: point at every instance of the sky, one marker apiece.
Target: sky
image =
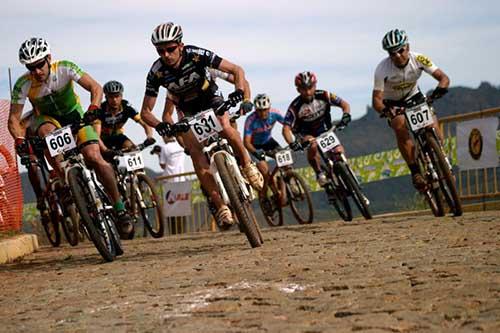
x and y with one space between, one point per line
272 40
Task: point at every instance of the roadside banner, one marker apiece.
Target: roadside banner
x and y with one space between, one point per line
177 198
477 143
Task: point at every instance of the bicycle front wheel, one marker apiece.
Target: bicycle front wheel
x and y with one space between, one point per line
299 198
271 208
92 219
243 210
148 203
446 178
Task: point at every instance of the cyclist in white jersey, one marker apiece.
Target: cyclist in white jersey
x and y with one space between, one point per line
396 83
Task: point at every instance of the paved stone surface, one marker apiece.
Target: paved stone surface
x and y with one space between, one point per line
405 274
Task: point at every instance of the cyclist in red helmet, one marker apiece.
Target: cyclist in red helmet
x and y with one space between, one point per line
309 116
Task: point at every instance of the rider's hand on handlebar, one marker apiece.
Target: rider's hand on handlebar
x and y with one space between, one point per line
260 154
182 126
346 119
23 148
235 97
437 93
109 154
148 142
245 107
295 146
92 114
164 129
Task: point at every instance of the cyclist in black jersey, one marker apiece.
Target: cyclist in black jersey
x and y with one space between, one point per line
182 70
112 116
309 116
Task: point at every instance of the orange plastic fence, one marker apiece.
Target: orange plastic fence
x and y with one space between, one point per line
11 195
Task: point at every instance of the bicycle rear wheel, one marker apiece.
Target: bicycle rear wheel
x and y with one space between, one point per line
243 210
148 203
300 198
446 178
97 229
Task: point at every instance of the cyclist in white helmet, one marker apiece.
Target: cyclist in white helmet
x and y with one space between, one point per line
395 86
49 87
182 70
258 127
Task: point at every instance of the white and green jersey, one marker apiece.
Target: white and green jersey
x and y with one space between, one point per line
401 83
54 97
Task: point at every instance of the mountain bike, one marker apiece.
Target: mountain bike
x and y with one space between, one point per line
433 163
94 205
138 190
342 183
233 188
288 188
57 215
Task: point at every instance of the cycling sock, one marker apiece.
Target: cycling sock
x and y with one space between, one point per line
119 206
413 168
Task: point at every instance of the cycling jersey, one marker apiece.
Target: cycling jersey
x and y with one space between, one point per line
54 97
401 83
113 124
260 129
312 118
194 90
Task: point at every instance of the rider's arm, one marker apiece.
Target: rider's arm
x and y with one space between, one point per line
442 78
247 141
92 86
14 124
147 111
147 128
378 100
168 112
287 134
239 76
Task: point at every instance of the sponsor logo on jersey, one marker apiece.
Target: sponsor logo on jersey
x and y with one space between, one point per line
403 85
183 82
424 60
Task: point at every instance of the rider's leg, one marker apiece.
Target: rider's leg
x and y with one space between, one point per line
233 136
407 149
202 169
405 143
42 131
103 169
127 144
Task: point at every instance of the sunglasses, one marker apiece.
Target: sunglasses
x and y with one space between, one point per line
169 49
400 51
33 67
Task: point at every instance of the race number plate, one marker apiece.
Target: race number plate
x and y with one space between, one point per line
60 140
284 158
419 116
205 125
327 141
132 161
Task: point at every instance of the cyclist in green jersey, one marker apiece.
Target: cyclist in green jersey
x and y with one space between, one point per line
49 87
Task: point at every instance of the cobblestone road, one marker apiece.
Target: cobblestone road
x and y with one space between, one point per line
406 274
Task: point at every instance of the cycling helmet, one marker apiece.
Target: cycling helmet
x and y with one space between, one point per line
113 87
166 32
32 50
262 102
305 80
394 39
